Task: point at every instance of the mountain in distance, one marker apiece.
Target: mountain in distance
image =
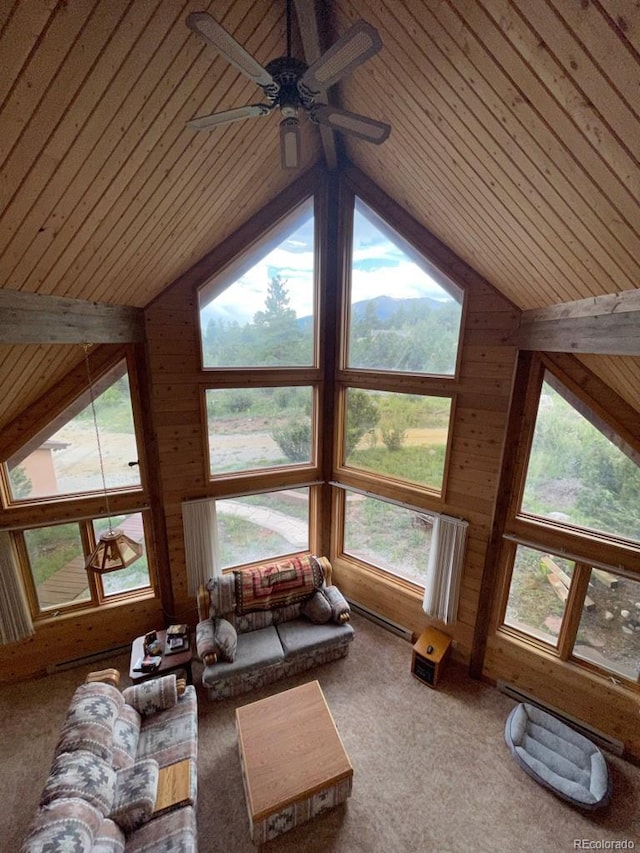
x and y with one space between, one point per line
384 307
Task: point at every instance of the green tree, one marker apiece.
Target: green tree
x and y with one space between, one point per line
278 337
20 483
294 440
362 417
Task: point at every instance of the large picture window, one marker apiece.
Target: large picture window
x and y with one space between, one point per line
401 436
607 633
404 314
387 536
256 428
580 472
262 527
56 557
260 311
574 535
64 459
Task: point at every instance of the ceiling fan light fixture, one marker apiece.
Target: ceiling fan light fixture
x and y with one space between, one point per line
290 142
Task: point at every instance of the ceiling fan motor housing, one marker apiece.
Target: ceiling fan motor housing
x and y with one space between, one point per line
287 71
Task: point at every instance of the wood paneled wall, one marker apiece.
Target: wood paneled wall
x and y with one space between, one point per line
482 393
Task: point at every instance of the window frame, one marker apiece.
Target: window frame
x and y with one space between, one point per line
83 507
7 500
586 548
234 266
97 597
379 486
252 481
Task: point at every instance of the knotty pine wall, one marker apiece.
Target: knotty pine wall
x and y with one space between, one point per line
482 394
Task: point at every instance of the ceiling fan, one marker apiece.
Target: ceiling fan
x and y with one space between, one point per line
293 86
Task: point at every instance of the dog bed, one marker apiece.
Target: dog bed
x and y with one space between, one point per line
558 757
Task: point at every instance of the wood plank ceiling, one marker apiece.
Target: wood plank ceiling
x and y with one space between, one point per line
516 140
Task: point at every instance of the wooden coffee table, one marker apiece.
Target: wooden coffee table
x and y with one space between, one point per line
294 765
169 663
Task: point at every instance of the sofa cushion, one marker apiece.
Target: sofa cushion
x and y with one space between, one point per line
157 694
301 636
109 838
173 735
126 731
66 824
317 608
90 719
276 584
255 649
83 775
173 832
136 792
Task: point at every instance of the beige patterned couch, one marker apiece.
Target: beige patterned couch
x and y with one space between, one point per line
262 624
100 796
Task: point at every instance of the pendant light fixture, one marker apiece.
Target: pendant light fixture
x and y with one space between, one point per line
114 550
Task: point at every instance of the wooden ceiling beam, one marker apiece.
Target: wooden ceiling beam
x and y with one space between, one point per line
606 325
33 318
311 44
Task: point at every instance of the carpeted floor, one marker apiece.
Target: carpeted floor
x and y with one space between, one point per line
431 769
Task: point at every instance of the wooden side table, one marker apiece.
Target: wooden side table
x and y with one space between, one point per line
169 663
429 655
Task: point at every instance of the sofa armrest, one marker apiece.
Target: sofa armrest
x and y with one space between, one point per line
216 639
206 642
104 676
340 610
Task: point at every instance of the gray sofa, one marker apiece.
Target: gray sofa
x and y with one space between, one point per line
101 794
262 624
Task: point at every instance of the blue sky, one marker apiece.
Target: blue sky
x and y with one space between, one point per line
380 267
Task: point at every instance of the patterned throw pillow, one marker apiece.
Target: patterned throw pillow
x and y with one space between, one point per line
158 694
83 775
136 791
89 721
63 825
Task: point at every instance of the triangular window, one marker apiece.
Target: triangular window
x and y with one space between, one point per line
581 473
260 310
405 314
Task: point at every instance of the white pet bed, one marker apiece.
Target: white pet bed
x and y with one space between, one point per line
558 757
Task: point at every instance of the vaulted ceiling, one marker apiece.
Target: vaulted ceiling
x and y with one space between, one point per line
515 140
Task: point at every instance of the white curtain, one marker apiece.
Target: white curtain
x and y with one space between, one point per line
201 547
15 617
444 570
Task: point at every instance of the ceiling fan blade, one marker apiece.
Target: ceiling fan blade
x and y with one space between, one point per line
290 143
356 125
215 34
359 43
226 116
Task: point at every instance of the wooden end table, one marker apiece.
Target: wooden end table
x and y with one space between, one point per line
294 765
169 663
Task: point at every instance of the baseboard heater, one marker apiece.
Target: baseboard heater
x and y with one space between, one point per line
372 616
74 662
605 741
